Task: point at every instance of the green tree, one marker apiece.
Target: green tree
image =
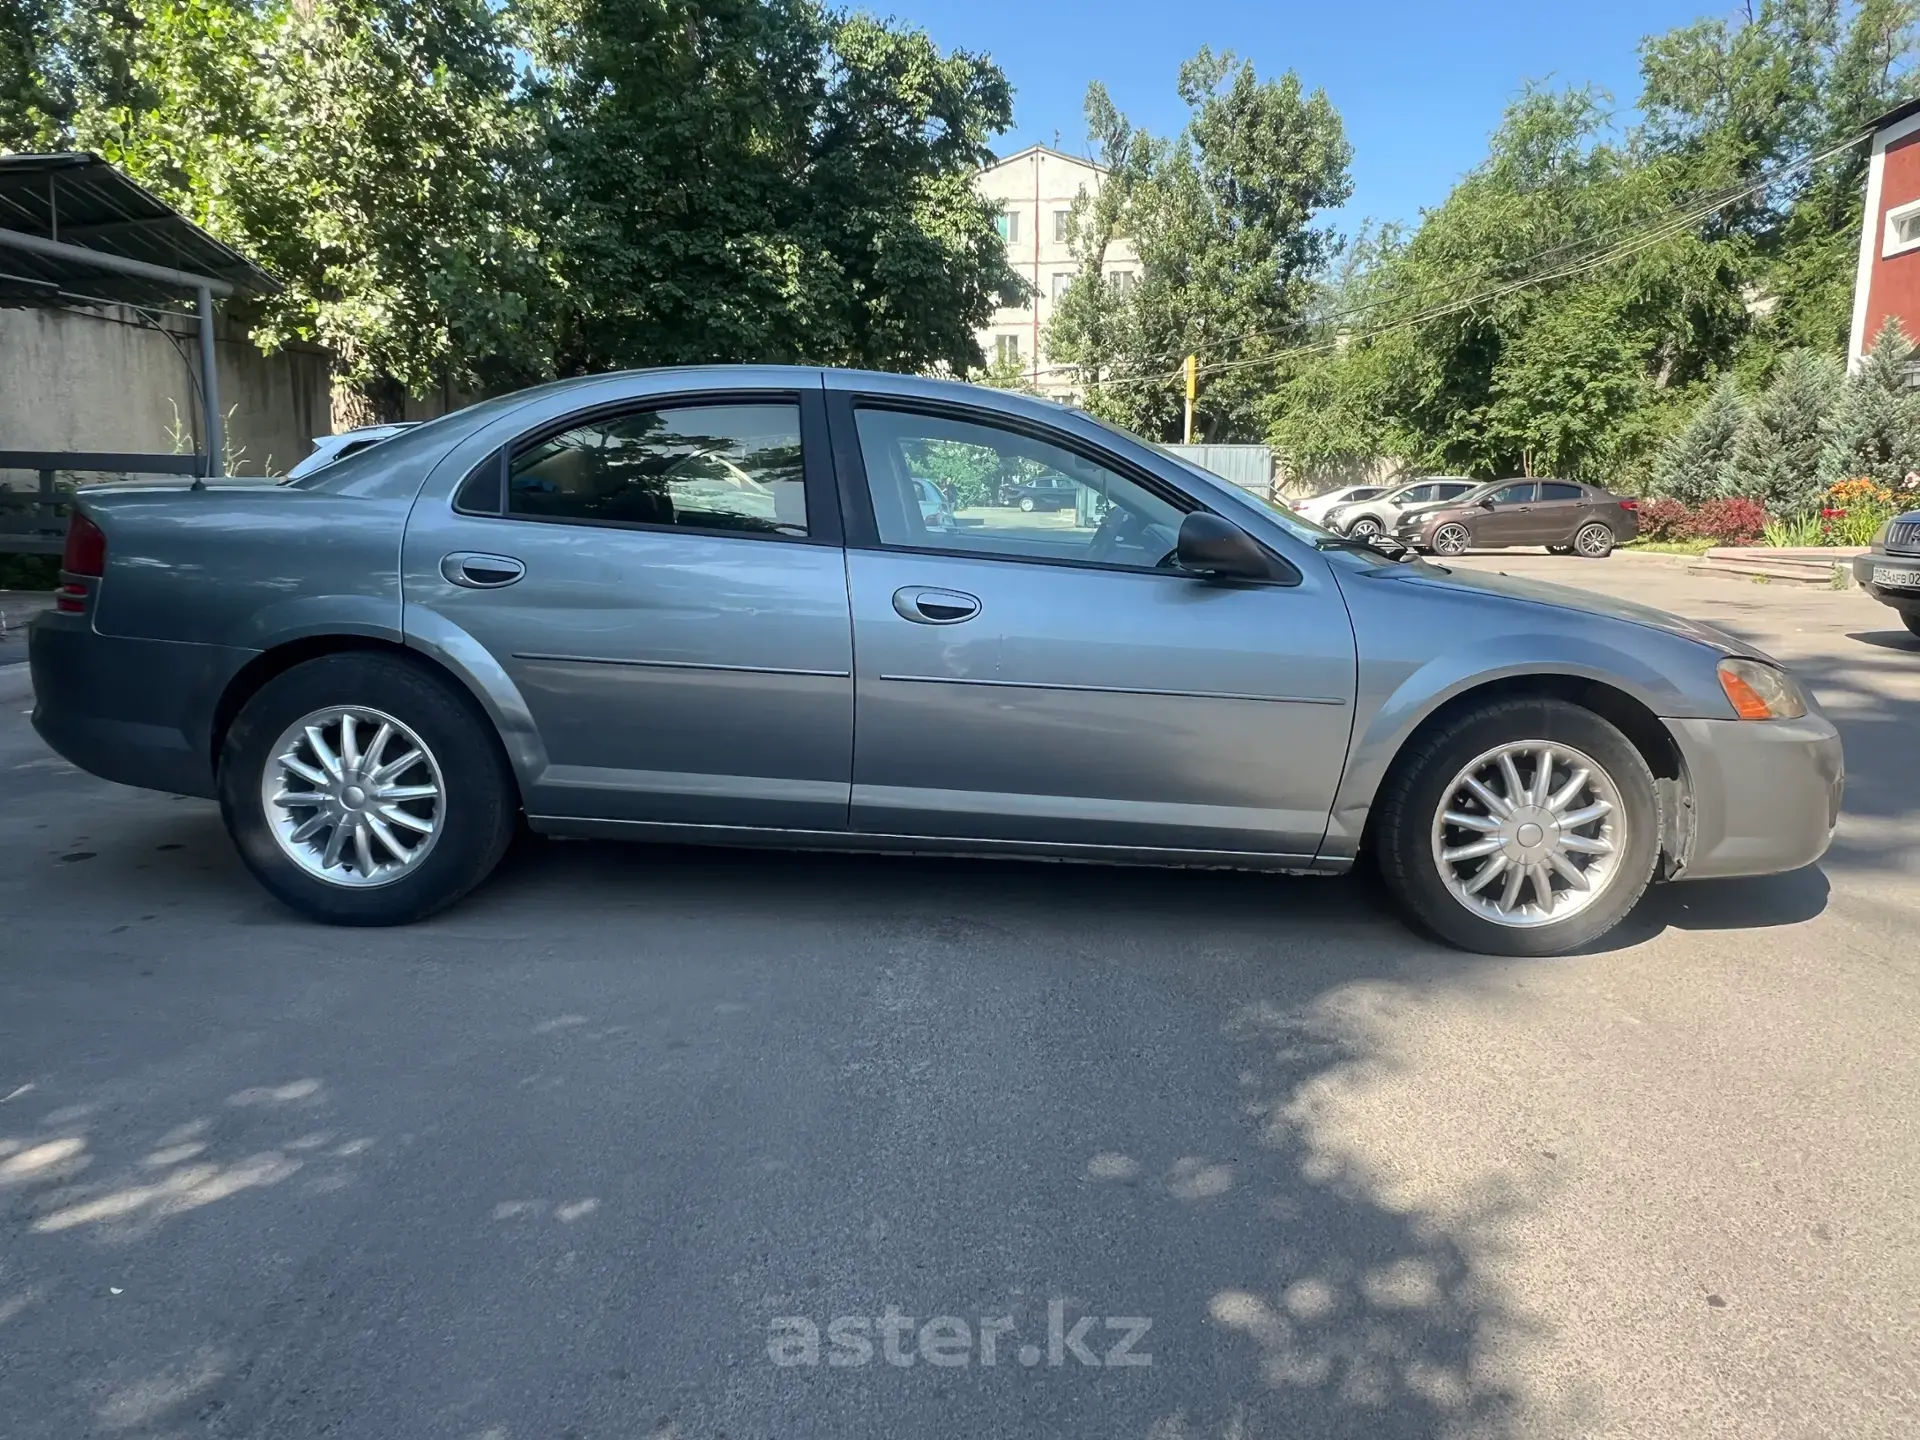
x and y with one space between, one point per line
1775 455
1222 218
35 79
1874 432
762 180
1692 465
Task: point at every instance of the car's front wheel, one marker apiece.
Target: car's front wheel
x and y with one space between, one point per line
1911 619
1026 504
1594 540
1365 528
1523 827
362 790
1451 539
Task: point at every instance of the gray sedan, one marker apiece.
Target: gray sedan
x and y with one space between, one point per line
707 605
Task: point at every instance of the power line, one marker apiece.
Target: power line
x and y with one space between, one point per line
1666 227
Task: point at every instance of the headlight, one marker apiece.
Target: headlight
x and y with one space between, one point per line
1761 692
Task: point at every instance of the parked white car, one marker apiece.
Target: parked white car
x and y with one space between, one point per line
1376 514
329 448
1316 508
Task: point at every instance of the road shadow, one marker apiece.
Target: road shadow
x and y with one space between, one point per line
1887 640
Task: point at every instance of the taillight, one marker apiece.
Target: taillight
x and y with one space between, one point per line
1628 504
84 558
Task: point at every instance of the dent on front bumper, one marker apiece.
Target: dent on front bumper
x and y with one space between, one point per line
1766 794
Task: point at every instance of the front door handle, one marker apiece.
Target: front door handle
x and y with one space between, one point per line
924 605
481 572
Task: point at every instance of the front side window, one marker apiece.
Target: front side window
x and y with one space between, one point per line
702 467
1415 494
1014 495
1512 494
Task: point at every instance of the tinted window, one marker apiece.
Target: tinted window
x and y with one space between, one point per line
1453 491
1099 517
1367 492
1512 494
1559 491
706 467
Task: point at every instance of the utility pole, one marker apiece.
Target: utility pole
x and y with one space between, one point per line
1192 382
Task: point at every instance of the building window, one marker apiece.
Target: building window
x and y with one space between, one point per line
1123 281
1006 349
1007 222
1061 280
1903 229
1061 219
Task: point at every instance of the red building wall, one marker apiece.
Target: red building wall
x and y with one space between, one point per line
1894 284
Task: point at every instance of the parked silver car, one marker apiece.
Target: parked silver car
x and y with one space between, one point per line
708 605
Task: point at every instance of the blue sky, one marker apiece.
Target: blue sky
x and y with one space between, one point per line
1419 85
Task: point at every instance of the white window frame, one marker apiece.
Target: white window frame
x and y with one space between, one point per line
1006 349
1062 226
1061 279
1891 243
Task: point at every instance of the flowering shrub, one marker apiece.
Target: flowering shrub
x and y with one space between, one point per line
1665 520
1730 522
1855 509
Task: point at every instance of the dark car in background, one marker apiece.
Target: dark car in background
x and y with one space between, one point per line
1364 519
1890 570
1566 517
1045 492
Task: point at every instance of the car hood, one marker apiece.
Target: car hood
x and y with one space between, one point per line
1565 597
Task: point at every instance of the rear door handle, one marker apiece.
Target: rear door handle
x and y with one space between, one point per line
481 572
924 605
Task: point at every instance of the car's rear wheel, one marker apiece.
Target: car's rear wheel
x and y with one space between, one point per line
1451 539
1026 504
1365 528
1594 540
1523 827
362 790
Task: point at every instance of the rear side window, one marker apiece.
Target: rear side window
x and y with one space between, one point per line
1552 491
701 467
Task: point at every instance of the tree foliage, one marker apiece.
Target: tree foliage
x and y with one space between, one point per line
1223 219
1874 432
1579 292
1775 456
1693 466
468 195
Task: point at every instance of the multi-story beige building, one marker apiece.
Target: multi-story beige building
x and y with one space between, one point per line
1035 190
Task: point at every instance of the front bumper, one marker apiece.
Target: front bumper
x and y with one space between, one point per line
1766 794
1902 598
139 712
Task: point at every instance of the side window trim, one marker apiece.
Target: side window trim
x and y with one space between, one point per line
862 531
823 502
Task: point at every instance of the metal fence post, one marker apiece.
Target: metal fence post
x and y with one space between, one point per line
215 422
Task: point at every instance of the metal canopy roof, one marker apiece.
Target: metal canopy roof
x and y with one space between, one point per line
78 199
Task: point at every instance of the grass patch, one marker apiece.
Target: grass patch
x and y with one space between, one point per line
1671 547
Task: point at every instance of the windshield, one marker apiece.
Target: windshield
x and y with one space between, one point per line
1298 525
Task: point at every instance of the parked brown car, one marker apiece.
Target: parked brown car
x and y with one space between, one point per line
1567 518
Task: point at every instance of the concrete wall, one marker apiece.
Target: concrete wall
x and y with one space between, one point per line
100 380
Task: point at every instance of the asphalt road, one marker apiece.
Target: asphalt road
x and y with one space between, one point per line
565 1161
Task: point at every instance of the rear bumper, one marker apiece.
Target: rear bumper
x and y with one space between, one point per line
1766 794
1901 599
139 712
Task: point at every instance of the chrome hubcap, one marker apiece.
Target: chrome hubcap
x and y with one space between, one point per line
353 796
1591 540
1450 540
1529 833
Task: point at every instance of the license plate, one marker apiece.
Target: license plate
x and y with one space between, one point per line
1902 579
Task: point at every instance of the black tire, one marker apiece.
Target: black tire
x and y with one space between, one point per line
1409 801
1593 540
1911 619
1026 504
1452 538
1559 550
1364 527
479 804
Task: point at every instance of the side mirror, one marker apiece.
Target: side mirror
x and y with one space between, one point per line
1486 503
1209 545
